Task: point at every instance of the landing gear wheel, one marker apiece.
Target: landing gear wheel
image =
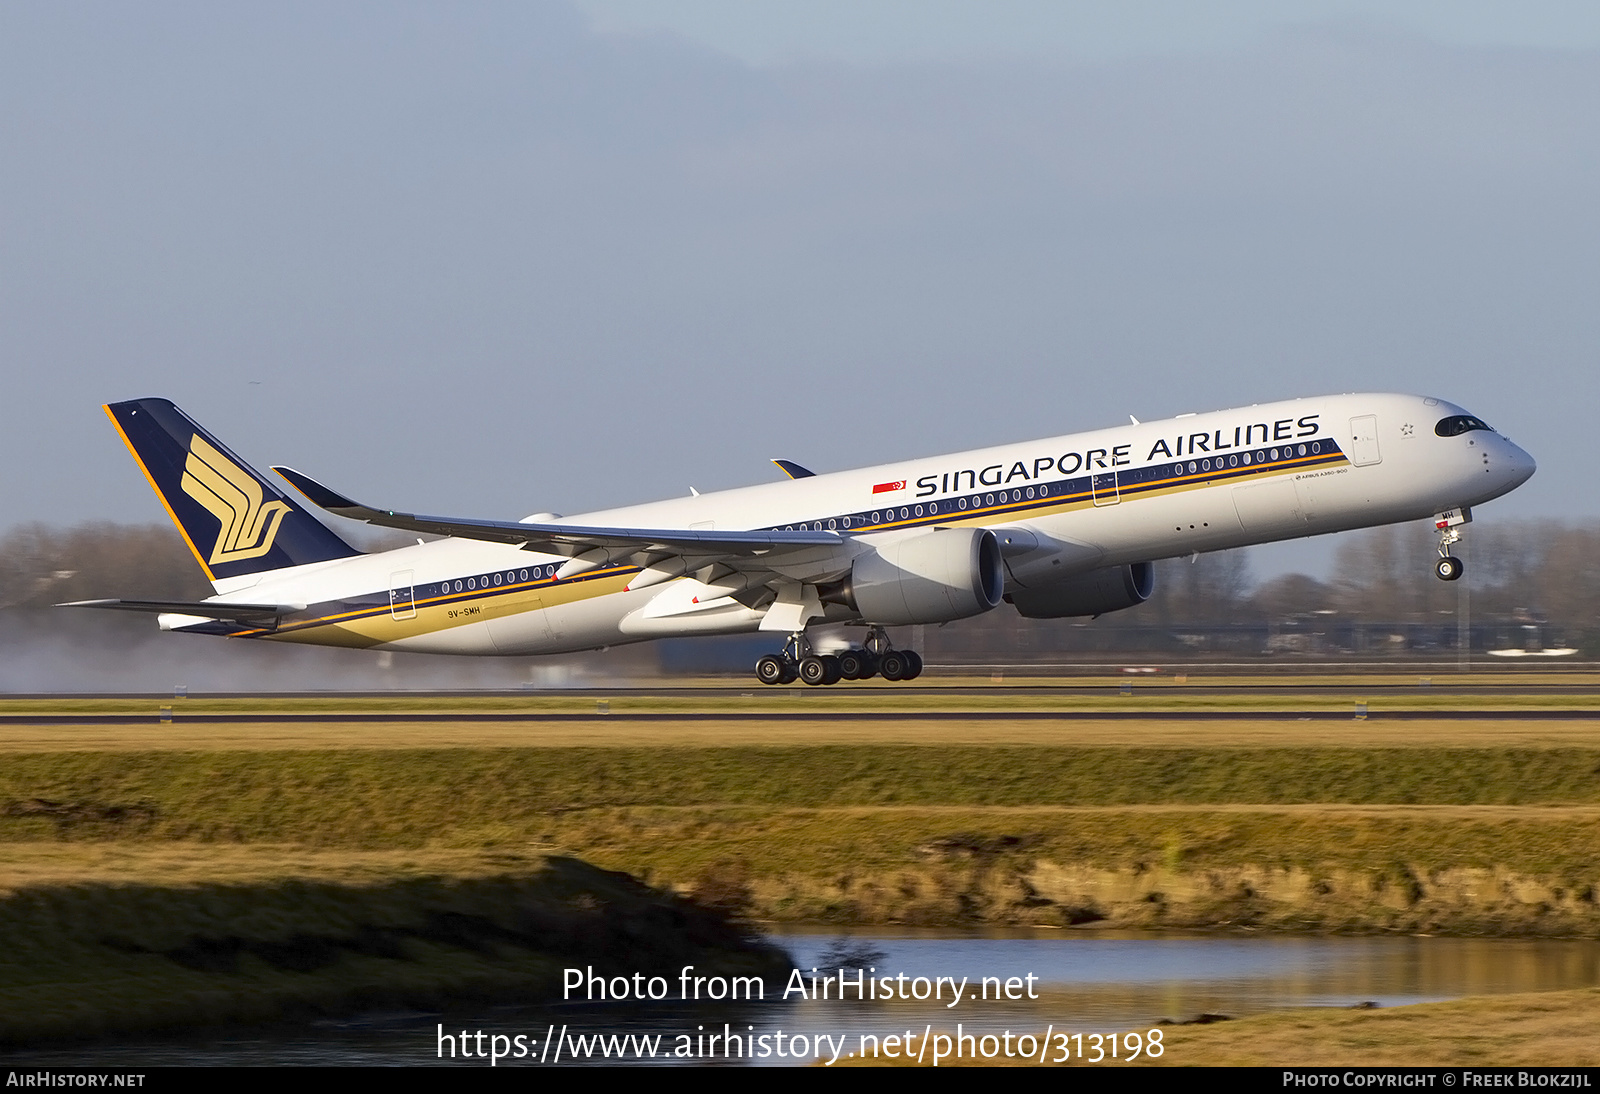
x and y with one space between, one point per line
915 665
815 670
895 665
852 665
772 669
1449 568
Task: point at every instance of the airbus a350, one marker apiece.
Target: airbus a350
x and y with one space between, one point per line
1068 526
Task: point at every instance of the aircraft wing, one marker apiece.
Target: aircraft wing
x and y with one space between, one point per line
779 551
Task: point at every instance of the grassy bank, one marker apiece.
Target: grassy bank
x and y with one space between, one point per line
1496 840
86 959
1545 1029
1522 871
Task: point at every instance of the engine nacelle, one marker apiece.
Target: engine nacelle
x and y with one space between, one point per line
945 574
1094 593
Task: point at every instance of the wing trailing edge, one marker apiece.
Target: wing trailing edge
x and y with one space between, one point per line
566 539
210 609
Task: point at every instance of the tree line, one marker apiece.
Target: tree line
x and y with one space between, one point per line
1543 575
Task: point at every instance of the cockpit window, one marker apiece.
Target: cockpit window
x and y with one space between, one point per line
1459 424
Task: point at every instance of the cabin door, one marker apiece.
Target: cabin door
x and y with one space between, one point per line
1364 440
402 595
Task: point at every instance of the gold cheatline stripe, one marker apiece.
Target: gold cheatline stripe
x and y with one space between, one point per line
434 601
1048 505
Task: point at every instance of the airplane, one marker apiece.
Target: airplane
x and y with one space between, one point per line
1067 527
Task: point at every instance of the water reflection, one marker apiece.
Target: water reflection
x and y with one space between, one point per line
1260 972
1104 982
1083 981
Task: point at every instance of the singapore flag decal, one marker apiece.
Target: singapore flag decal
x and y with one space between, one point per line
889 487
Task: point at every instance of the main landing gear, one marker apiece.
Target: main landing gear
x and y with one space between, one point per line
1449 523
799 661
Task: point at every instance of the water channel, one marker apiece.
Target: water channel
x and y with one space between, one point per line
1077 981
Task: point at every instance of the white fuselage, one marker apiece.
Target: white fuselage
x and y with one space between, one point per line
1129 494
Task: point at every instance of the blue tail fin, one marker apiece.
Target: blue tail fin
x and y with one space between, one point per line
235 521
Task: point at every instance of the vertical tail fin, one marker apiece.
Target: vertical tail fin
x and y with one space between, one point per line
235 521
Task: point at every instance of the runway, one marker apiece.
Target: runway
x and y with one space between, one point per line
1334 711
177 718
1011 687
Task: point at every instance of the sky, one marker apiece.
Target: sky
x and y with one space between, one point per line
493 259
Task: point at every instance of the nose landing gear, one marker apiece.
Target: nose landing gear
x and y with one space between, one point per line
1449 523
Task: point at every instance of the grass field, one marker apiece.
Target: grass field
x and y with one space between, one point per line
83 958
1473 839
1439 825
835 731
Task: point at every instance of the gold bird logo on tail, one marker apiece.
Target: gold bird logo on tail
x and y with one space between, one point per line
233 496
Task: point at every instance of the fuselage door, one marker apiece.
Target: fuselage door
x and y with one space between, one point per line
402 596
1364 440
1103 485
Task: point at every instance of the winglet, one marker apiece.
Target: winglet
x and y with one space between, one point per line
318 494
794 470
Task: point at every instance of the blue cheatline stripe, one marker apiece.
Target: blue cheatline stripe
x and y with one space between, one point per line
1135 482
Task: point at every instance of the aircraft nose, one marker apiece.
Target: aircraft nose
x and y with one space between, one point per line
1519 465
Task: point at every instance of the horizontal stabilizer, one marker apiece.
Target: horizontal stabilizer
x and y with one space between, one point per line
210 609
566 539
